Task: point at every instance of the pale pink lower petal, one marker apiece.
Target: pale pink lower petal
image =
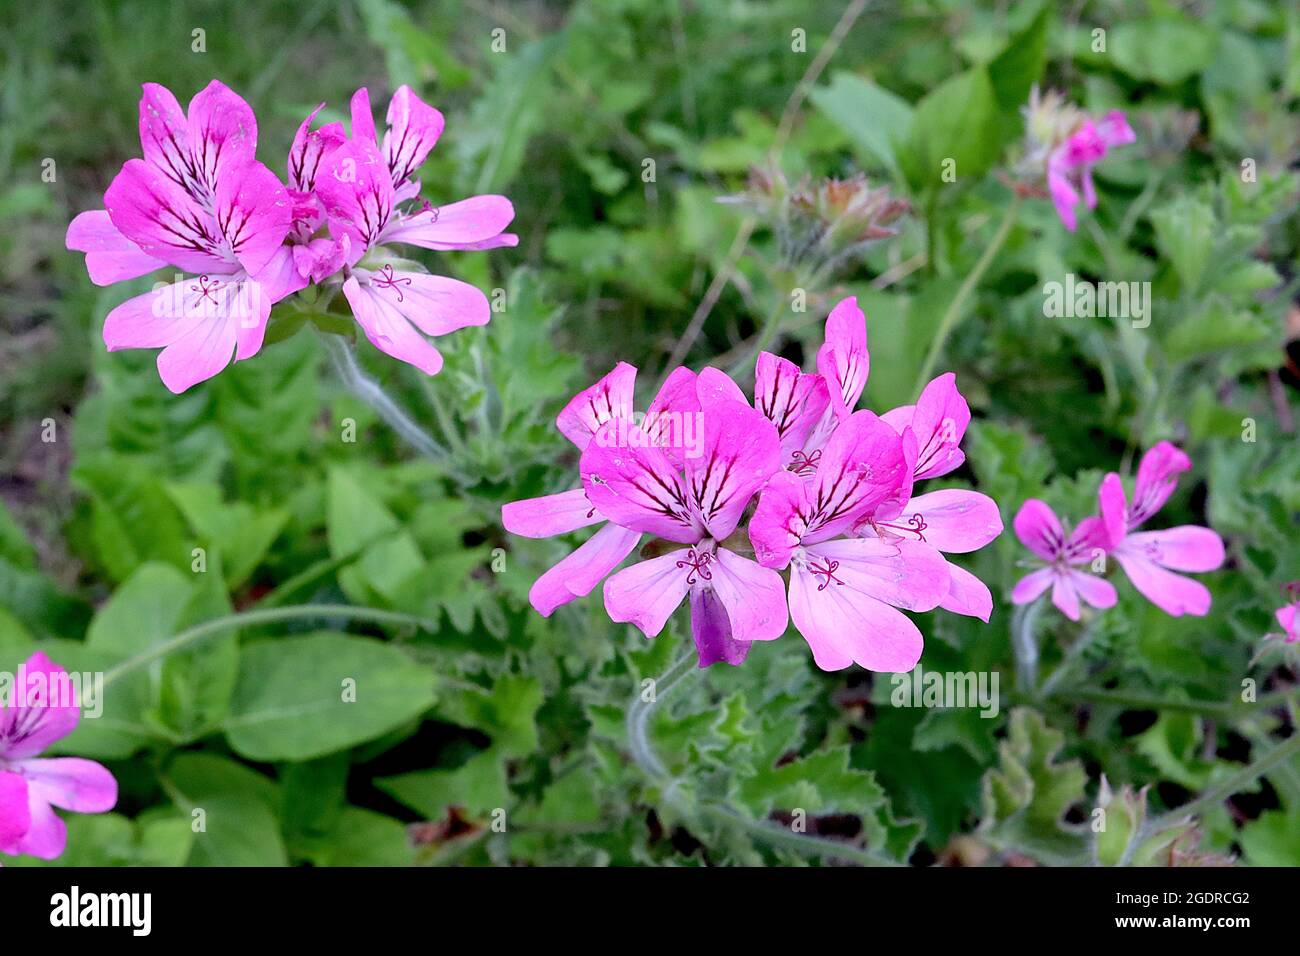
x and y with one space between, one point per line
844 626
754 597
201 352
1064 197
647 593
581 571
967 594
1286 617
953 521
1172 593
1185 548
1065 597
435 305
1096 591
1032 585
110 256
388 329
47 835
455 225
71 783
906 574
550 514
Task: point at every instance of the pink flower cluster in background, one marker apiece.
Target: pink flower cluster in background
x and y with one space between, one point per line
1149 558
833 496
200 202
1069 166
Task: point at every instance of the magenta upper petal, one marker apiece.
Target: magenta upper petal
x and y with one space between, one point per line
741 451
413 128
635 484
1038 529
843 359
44 709
791 400
939 421
608 399
862 468
1157 477
254 213
164 221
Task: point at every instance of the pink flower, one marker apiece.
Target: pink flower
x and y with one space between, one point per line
1289 615
1040 531
35 717
200 202
698 503
361 187
1150 557
1069 165
609 400
844 591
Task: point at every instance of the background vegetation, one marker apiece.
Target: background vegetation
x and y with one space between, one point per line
486 706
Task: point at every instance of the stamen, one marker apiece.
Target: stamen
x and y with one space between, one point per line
698 563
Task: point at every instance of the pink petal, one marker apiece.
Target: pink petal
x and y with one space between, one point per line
576 575
955 521
110 256
458 225
609 398
714 385
413 129
1064 197
44 706
967 595
222 133
844 625
740 452
843 359
1113 505
201 352
1185 548
778 524
674 417
635 485
1286 617
1039 530
15 816
1157 477
711 629
790 399
355 187
279 280
309 148
254 212
46 836
164 136
1032 585
71 783
754 597
862 468
388 329
905 574
165 222
1098 592
1172 593
646 594
940 421
550 514
363 120
1065 597
1115 130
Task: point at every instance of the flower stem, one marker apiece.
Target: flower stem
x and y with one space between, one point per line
372 393
1238 781
950 318
643 753
257 616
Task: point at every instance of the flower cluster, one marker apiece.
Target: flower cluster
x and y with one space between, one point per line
1288 616
1149 558
36 715
1063 145
835 505
200 202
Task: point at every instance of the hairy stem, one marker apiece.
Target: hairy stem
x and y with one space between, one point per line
950 317
372 393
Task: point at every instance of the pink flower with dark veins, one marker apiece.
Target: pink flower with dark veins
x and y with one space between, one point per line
362 186
697 502
39 710
1040 531
1150 558
200 202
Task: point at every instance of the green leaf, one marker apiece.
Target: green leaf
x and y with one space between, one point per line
1165 50
875 118
355 518
955 121
298 698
